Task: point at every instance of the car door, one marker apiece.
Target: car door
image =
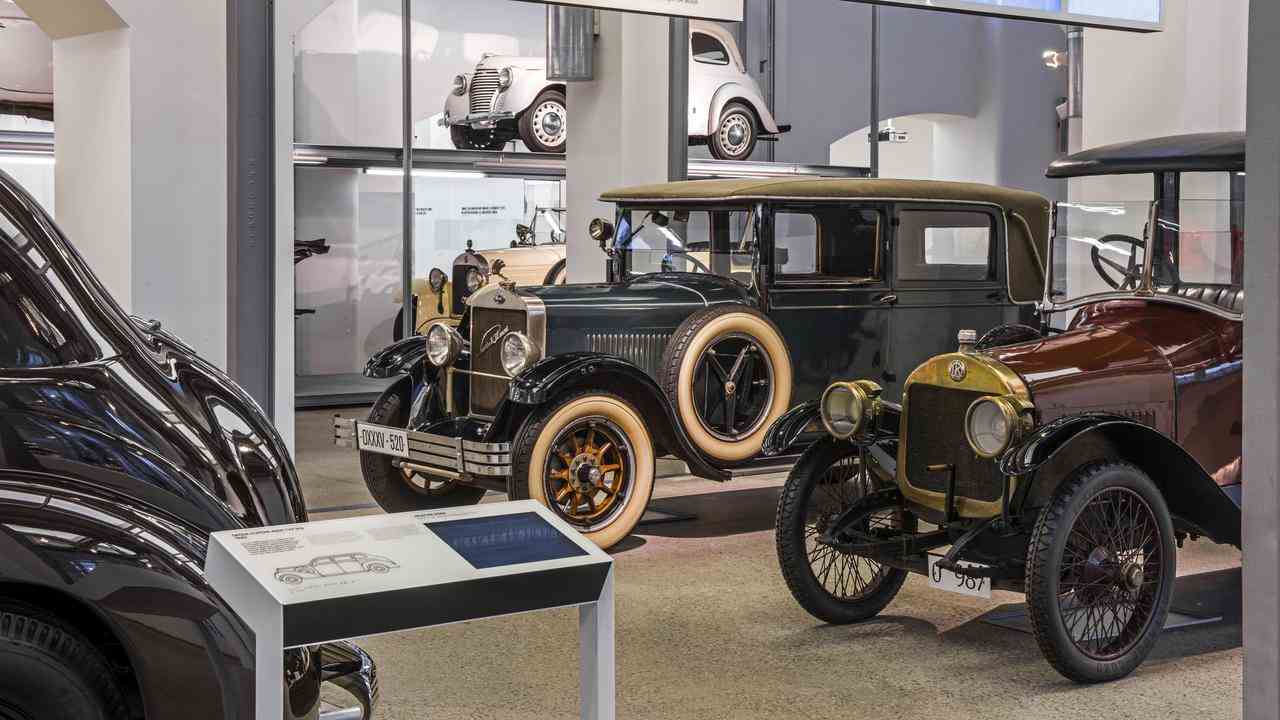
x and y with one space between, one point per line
827 290
947 276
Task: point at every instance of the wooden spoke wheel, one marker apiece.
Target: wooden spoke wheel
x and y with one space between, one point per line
589 470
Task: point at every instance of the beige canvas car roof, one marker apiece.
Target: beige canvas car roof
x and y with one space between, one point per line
1027 213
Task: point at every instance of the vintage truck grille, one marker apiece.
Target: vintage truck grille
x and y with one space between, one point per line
935 436
484 90
489 381
644 350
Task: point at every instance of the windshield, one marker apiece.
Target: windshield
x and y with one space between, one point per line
1100 250
717 242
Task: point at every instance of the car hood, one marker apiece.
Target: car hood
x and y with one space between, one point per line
659 290
523 62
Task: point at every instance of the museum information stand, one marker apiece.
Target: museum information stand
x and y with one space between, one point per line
318 582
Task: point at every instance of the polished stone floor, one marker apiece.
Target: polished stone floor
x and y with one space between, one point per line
707 629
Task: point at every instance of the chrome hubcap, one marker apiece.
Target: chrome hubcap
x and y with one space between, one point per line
735 133
550 123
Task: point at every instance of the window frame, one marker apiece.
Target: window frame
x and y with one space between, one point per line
882 246
997 264
693 54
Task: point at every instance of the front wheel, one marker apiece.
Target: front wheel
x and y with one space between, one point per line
49 671
1100 572
590 458
544 127
397 490
834 586
465 138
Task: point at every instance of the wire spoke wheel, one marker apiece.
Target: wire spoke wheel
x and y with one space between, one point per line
589 471
1110 574
843 575
733 384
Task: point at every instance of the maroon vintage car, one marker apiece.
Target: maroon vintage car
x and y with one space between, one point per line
1067 461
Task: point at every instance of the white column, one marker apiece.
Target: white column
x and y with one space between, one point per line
93 186
619 131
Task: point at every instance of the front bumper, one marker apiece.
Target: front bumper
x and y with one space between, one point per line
351 669
478 121
444 452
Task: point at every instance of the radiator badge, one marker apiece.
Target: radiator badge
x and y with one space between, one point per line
957 371
492 337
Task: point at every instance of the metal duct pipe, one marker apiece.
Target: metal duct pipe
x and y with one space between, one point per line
1075 82
571 42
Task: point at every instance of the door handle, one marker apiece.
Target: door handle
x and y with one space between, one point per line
889 299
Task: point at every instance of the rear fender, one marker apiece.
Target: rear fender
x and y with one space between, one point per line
1059 447
555 376
747 95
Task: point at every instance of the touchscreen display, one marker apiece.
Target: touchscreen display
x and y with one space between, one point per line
488 542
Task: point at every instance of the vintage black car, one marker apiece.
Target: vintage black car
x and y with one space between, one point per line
121 450
1063 463
728 302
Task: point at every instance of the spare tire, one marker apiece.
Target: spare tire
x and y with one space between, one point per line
727 370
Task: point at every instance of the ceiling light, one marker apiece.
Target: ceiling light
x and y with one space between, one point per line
448 174
1054 59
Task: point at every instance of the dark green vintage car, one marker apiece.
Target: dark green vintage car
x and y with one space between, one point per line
728 303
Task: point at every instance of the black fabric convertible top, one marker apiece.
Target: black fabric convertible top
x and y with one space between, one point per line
1201 152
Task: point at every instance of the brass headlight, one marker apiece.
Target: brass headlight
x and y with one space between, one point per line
848 407
518 353
444 344
993 424
436 280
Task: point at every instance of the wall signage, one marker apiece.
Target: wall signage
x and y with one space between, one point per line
729 10
1134 15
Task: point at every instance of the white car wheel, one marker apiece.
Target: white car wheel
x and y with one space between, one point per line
545 126
735 136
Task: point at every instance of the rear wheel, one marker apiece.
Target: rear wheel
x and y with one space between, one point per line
834 586
1100 572
49 671
590 459
736 135
398 490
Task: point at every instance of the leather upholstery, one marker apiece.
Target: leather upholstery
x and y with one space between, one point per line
1227 297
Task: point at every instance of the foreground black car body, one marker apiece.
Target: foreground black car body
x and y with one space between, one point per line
728 303
120 451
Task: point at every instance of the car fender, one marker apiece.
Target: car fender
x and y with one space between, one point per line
1060 446
398 358
525 88
748 92
784 434
555 376
118 571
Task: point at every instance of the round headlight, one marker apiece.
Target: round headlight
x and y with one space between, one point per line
436 280
991 425
846 407
460 85
505 78
443 344
475 280
518 353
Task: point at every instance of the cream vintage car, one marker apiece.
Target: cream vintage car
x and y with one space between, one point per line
535 257
509 98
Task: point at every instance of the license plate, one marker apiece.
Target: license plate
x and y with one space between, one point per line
943 579
385 440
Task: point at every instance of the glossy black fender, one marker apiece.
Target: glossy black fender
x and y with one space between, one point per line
398 358
1059 446
783 436
555 376
130 578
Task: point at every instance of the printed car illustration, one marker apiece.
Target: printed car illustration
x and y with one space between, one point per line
332 565
728 302
508 98
1067 461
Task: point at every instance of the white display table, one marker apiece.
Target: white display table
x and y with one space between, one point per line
311 583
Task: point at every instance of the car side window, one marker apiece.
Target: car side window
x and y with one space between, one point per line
948 245
708 50
36 330
832 243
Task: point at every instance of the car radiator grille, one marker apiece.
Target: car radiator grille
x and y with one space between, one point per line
644 350
935 436
488 327
484 91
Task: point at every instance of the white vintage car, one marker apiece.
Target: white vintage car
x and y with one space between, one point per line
508 98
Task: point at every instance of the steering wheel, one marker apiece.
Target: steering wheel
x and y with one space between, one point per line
1130 274
666 262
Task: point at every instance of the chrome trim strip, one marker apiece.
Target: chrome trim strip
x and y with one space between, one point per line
434 454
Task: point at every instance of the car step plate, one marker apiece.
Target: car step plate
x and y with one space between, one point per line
941 579
384 440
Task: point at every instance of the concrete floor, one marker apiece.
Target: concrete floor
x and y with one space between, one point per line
706 629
